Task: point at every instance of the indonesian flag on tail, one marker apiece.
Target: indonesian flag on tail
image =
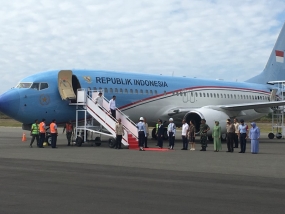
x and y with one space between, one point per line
279 56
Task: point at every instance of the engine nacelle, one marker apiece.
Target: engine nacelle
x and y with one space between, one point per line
210 115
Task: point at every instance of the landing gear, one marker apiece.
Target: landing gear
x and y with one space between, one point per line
153 133
79 141
112 142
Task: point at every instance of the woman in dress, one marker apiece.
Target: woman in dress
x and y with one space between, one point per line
191 135
217 137
254 134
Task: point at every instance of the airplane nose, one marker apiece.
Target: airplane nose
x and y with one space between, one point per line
10 103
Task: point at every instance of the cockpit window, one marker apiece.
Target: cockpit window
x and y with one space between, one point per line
35 86
24 85
43 85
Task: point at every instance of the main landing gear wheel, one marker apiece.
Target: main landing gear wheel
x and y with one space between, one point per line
270 135
153 133
112 142
79 141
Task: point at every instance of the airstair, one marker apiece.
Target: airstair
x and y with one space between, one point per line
102 122
278 128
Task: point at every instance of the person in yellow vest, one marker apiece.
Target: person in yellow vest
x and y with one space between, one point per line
42 133
53 132
69 131
35 133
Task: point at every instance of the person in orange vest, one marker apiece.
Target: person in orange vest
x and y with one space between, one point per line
42 133
53 132
69 131
35 133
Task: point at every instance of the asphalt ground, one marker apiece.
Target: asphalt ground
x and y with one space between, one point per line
92 179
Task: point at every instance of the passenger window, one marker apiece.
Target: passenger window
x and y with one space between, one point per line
200 94
35 86
111 90
155 91
204 94
106 90
94 88
121 90
221 95
196 94
146 91
231 96
218 96
235 96
43 86
211 95
136 91
214 95
207 94
131 91
116 90
141 91
126 91
150 91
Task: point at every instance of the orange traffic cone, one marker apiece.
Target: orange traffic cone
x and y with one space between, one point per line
24 137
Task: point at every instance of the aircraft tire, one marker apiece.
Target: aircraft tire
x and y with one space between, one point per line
79 141
278 135
153 135
49 140
270 135
112 142
224 137
165 137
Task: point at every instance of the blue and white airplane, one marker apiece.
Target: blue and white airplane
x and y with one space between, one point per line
48 94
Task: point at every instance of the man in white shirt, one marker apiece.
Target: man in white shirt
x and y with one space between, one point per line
99 99
112 106
184 135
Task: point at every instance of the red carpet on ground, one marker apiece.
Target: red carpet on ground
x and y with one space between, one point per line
153 149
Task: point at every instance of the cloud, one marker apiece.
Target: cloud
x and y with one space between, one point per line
207 39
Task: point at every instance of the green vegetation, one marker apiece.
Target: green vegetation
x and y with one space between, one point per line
7 121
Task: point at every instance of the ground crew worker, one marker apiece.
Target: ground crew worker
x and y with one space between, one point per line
69 131
119 129
171 129
53 132
35 133
204 128
142 133
42 132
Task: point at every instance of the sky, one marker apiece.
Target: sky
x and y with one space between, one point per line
213 39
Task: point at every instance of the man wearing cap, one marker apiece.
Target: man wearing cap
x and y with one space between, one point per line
142 133
230 135
112 106
204 128
171 129
99 99
242 128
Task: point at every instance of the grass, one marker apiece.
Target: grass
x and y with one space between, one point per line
10 123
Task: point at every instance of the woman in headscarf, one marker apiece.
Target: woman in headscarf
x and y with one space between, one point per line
191 135
217 137
254 134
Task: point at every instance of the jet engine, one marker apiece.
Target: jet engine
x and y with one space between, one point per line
210 115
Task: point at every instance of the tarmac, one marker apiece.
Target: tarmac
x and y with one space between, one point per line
98 179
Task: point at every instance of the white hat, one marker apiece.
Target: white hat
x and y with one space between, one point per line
170 119
141 118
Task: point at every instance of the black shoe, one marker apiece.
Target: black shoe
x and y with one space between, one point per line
146 147
240 152
228 151
41 147
31 146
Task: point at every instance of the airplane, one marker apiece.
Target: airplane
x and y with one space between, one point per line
49 94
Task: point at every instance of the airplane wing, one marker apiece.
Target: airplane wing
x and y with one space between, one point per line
246 106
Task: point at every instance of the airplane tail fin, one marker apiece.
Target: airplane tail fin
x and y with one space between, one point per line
275 67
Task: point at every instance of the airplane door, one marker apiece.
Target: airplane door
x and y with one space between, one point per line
65 85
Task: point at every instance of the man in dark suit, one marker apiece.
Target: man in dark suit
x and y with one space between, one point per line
160 131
